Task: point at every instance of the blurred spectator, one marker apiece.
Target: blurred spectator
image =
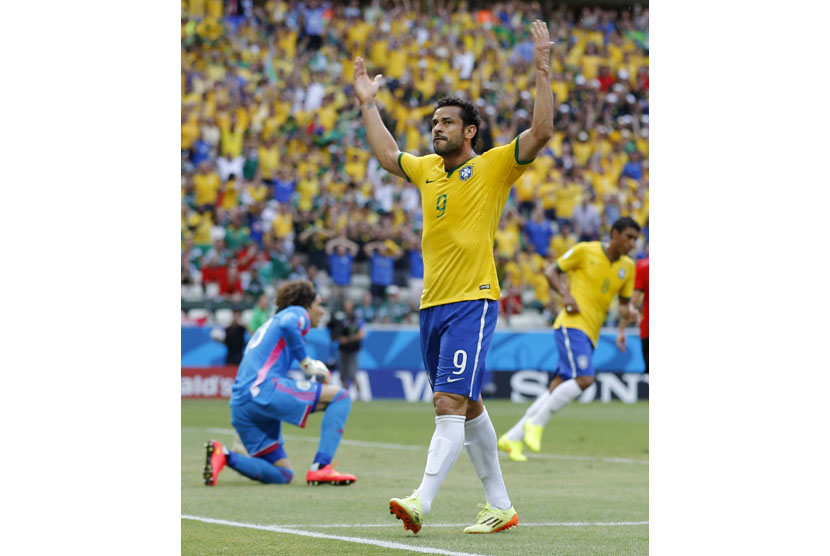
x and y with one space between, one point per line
416 272
248 257
348 329
262 312
206 185
188 271
393 309
525 191
296 271
229 193
634 167
228 165
231 286
539 231
382 266
237 235
253 286
510 303
276 265
366 309
200 151
612 212
313 16
341 252
562 241
235 339
214 271
586 221
284 186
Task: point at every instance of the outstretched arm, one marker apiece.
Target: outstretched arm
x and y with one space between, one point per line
533 140
380 140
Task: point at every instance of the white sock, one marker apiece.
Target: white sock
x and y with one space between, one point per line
517 432
561 396
447 443
480 443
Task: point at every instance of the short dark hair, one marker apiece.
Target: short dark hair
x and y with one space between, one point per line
298 292
469 113
625 222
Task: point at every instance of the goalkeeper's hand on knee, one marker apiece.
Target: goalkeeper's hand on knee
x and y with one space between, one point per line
312 368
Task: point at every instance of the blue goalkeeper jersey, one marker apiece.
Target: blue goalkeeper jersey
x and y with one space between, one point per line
269 353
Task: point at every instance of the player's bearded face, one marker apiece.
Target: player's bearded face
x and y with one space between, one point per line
447 130
447 142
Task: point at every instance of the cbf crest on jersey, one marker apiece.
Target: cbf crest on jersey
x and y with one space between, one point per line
465 173
622 273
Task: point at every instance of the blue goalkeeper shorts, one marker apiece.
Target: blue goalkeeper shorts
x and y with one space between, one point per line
454 341
576 353
259 420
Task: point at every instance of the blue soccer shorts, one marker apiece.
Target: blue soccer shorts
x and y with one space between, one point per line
454 341
259 420
576 353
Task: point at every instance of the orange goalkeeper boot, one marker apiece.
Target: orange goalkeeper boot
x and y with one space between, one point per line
327 475
215 461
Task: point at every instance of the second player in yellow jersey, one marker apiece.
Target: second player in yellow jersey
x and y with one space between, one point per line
594 281
596 274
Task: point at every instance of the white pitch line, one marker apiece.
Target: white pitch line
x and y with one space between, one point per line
521 524
358 540
585 458
366 444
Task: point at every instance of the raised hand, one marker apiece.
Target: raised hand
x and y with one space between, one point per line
541 39
364 88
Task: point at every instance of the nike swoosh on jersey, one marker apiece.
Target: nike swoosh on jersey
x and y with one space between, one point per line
430 181
454 380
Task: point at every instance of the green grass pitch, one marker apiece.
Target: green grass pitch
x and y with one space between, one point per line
586 493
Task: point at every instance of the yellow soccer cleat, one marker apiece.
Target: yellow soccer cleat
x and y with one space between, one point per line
408 510
493 520
533 436
513 448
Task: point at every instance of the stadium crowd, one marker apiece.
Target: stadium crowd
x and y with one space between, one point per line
278 182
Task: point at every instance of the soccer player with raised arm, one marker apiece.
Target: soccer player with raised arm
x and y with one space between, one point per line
462 196
597 273
263 397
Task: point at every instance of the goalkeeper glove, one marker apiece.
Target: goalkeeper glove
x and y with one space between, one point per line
314 368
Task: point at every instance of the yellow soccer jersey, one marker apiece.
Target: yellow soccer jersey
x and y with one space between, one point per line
594 281
462 208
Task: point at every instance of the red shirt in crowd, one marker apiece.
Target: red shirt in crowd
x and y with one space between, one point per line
641 283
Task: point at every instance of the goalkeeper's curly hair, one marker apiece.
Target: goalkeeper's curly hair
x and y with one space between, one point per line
298 292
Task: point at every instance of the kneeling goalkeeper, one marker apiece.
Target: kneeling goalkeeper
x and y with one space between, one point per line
263 397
